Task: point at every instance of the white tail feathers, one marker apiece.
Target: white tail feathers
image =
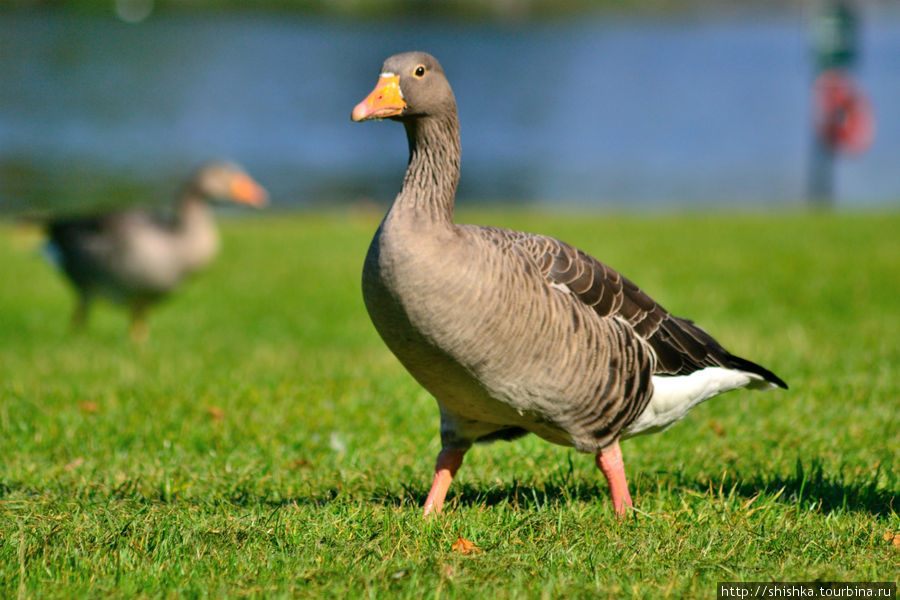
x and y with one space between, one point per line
674 396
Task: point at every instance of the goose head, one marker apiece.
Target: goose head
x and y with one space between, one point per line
411 85
227 182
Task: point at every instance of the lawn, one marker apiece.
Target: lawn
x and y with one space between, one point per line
263 442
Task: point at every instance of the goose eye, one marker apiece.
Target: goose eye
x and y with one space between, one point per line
420 71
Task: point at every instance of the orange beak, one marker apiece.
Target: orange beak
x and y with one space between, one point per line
386 100
246 191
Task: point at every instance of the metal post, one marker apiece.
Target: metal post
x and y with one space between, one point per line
835 43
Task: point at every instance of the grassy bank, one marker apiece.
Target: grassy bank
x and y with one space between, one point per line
264 443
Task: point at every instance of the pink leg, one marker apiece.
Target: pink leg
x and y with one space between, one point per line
448 461
609 460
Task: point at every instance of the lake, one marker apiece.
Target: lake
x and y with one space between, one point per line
688 111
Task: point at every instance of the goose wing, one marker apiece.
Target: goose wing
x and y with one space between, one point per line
125 252
681 347
84 243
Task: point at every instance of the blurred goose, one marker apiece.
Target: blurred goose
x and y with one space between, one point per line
515 332
134 257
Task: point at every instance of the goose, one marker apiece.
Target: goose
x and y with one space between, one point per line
513 332
134 257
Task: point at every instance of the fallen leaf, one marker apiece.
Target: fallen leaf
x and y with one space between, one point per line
88 407
717 428
464 546
216 413
74 464
299 463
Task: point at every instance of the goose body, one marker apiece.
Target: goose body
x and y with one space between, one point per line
514 332
134 257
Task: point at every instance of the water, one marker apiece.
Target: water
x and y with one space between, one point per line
601 112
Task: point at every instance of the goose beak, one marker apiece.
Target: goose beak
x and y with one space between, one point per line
386 100
246 191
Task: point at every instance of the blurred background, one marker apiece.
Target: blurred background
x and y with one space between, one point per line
585 103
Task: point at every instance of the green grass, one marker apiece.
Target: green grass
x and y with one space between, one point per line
263 443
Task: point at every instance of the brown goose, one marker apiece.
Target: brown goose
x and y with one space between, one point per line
514 332
134 257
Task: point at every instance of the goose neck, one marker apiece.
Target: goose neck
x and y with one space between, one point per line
194 234
192 211
429 186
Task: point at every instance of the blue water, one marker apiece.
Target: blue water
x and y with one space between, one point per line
607 112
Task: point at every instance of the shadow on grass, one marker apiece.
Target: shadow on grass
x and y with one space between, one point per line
810 487
533 495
